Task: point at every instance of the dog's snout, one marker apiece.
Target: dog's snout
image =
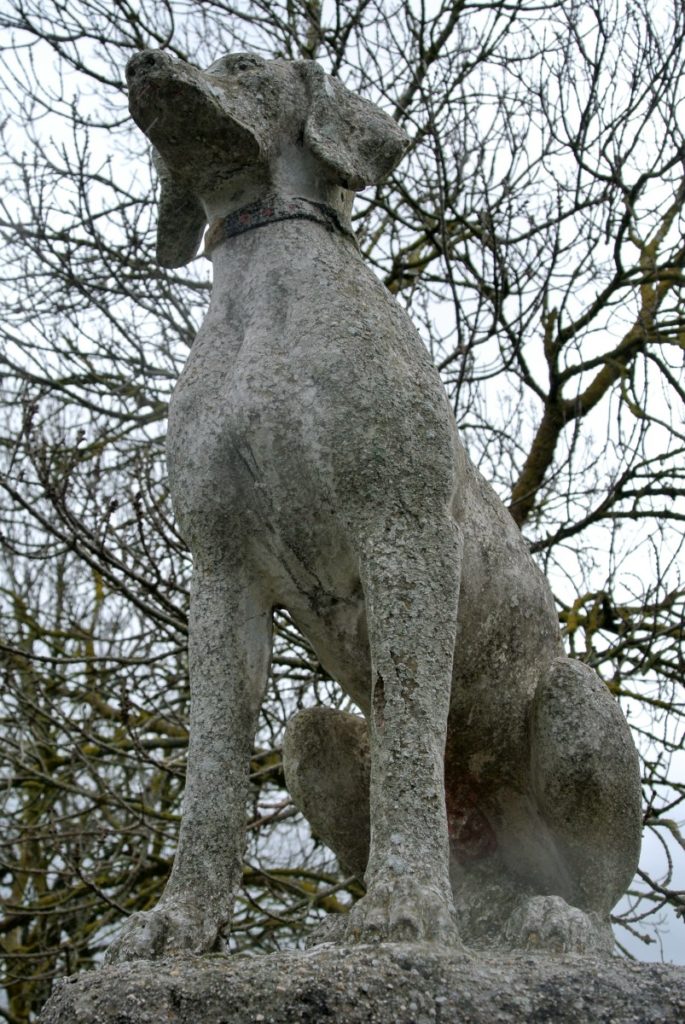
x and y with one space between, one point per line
146 60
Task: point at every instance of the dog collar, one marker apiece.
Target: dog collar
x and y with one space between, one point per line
268 211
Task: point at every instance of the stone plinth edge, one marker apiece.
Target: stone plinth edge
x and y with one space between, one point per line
387 984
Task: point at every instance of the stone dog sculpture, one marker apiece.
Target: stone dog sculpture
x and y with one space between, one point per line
492 786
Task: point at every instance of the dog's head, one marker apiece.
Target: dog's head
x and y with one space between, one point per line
247 126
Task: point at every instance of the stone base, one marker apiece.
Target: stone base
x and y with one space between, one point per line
387 984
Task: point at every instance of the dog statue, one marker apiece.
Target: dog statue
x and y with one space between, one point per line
492 787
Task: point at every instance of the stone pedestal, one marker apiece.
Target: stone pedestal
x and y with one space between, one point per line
387 984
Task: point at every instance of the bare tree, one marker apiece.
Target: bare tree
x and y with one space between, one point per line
535 232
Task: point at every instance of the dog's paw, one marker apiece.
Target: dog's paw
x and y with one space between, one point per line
548 924
402 910
167 930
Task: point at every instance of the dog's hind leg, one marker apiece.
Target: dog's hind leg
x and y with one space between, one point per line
410 574
229 652
326 764
586 786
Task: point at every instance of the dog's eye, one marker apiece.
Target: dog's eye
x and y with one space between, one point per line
245 63
226 65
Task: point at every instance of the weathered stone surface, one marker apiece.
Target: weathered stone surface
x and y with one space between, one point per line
389 984
315 465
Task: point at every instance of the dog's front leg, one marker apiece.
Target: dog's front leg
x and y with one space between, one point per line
229 652
411 583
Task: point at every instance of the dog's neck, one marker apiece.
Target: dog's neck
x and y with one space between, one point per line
291 186
269 210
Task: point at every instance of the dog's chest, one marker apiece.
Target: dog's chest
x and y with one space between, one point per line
307 400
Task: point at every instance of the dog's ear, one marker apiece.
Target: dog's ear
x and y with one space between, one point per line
181 221
357 143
